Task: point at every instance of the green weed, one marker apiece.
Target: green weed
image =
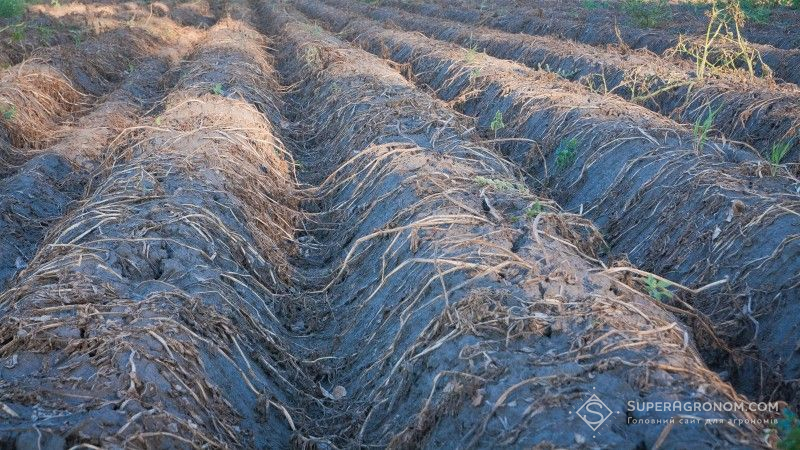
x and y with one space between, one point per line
8 111
534 210
566 74
18 32
11 8
723 47
55 3
567 152
471 55
497 123
474 74
702 127
657 288
217 89
777 153
45 33
647 13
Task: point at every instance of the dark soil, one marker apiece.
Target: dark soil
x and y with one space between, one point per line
785 64
290 242
640 183
750 110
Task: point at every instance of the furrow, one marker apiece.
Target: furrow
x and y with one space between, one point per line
659 198
753 111
449 316
165 282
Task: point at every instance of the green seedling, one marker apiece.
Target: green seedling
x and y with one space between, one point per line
534 210
777 153
18 32
8 111
45 33
566 74
77 36
217 89
472 54
567 153
55 3
497 123
702 127
657 288
474 74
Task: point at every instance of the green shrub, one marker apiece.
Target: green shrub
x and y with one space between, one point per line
11 8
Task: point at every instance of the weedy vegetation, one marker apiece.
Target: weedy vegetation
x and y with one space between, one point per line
778 151
567 153
497 123
703 126
723 46
647 13
657 288
11 8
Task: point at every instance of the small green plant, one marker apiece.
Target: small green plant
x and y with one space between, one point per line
18 32
657 288
497 123
11 8
777 153
501 185
534 210
647 13
789 431
472 54
55 3
217 89
8 111
702 127
566 74
45 33
567 152
474 74
77 36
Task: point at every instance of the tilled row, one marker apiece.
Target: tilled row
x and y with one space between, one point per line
429 299
38 192
784 64
147 318
47 24
749 110
681 18
47 91
673 208
463 310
